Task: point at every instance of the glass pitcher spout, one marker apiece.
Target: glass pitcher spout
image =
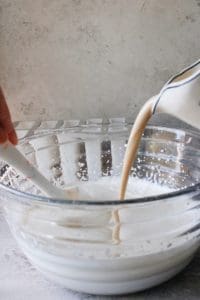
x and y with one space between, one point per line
180 96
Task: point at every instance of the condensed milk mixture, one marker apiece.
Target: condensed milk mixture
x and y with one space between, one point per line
133 144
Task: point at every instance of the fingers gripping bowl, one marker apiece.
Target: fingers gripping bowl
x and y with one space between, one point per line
81 244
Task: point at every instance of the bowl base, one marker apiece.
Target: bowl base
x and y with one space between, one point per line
114 288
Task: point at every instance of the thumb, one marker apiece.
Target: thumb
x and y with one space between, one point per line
5 121
12 136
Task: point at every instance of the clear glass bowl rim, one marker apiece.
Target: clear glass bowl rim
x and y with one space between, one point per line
27 197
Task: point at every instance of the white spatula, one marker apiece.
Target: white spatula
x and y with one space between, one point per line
14 157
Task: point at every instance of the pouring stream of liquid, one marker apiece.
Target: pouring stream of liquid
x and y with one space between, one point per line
133 144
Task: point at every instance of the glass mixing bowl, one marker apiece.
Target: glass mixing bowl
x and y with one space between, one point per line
81 244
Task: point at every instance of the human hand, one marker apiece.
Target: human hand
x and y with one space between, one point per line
7 131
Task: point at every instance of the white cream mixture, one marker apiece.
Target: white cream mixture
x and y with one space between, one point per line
107 188
89 250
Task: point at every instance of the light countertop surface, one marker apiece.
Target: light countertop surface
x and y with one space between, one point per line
20 281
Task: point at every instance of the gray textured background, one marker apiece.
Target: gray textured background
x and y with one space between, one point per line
92 58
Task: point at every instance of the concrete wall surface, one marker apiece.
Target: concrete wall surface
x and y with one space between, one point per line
92 58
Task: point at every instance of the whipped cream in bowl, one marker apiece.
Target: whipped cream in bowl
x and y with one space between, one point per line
99 244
